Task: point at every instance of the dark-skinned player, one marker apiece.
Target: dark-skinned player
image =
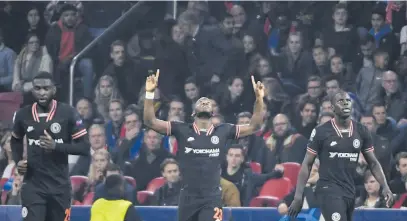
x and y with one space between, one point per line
199 153
53 130
338 143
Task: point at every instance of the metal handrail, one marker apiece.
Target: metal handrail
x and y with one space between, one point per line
92 44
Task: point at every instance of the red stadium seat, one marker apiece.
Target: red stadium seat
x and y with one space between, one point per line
155 184
88 199
256 167
400 201
77 181
144 196
9 102
276 187
264 201
76 203
131 180
291 171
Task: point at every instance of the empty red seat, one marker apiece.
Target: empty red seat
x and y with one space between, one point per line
155 184
264 201
291 171
77 182
256 167
400 201
144 196
88 199
276 188
131 180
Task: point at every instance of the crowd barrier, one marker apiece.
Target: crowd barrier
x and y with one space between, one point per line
82 213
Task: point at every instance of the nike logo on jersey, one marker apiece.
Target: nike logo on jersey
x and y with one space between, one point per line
30 128
333 143
190 139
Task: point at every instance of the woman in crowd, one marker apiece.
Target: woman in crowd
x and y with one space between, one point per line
32 59
35 24
105 91
371 197
6 160
100 159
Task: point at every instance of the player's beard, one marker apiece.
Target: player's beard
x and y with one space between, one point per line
205 115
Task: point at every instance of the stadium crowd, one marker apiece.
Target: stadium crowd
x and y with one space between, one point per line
302 52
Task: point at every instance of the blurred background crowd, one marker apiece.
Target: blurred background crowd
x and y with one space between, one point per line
301 51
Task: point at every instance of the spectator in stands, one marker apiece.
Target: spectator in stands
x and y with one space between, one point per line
338 69
192 94
35 25
14 196
129 147
243 24
315 91
97 140
230 193
7 58
242 175
284 144
264 69
231 100
64 40
113 206
334 35
105 91
85 109
325 117
326 105
308 118
201 10
32 60
371 197
382 32
115 128
386 127
252 48
146 166
206 59
382 145
254 146
364 58
277 100
123 70
176 108
129 190
391 94
310 200
369 79
168 194
7 164
100 159
320 57
295 64
399 184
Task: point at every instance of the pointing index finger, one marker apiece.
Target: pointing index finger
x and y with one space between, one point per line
253 82
157 74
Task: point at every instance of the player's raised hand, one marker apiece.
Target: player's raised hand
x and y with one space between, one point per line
388 196
152 81
295 208
46 141
258 88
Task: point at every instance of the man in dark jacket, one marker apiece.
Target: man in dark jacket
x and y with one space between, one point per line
168 195
65 39
243 177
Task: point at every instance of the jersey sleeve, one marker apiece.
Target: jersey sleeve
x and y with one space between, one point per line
233 130
367 142
78 128
315 141
18 127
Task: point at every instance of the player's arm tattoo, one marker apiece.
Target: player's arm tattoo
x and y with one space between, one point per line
376 168
160 126
255 122
304 174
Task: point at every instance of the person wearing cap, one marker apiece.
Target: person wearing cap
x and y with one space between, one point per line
65 38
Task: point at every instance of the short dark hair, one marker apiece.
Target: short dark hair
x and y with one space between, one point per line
304 102
44 75
111 167
339 6
378 104
332 97
113 184
167 162
401 155
244 114
237 146
319 47
117 43
332 77
366 39
379 10
191 80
